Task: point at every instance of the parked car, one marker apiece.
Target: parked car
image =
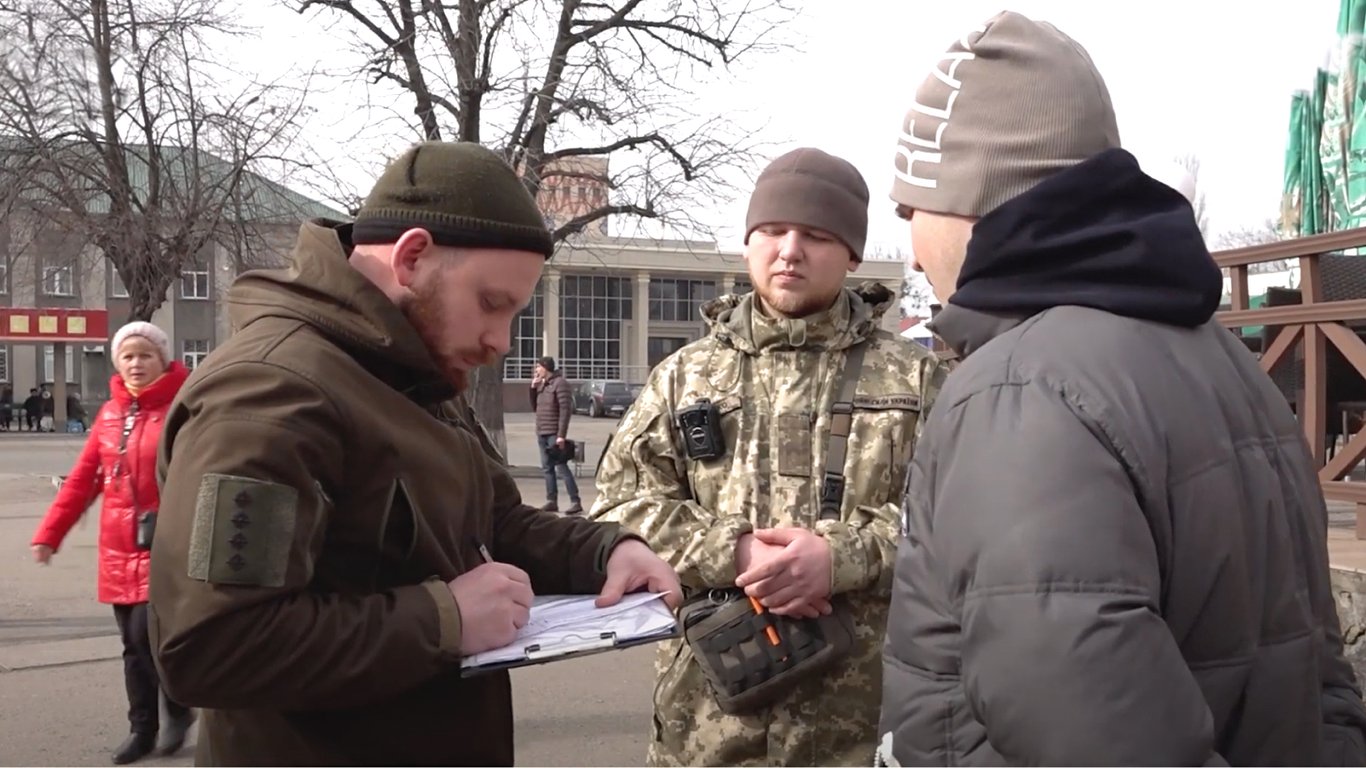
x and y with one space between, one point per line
602 398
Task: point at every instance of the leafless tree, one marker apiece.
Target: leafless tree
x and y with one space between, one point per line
1268 231
1192 165
117 127
547 82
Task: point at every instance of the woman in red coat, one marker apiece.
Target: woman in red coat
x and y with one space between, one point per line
119 461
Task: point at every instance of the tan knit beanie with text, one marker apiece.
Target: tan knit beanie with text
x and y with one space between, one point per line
1008 105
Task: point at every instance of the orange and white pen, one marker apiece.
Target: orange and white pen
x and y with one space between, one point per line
769 630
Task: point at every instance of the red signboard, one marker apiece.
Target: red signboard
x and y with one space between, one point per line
90 326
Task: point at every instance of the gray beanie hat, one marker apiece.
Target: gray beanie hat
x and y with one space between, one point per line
812 188
1008 105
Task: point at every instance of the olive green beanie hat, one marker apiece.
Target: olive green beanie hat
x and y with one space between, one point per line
464 194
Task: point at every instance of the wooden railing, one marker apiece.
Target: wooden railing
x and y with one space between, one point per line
1310 325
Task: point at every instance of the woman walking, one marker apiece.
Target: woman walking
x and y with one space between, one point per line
119 461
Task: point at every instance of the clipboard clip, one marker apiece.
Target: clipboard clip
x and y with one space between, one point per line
535 652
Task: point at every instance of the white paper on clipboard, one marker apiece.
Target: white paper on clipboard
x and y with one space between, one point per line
562 625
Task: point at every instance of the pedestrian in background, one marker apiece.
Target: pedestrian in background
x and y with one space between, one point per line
119 462
553 401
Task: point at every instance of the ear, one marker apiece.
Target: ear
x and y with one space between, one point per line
408 250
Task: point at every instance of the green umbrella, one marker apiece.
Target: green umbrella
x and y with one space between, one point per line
1303 205
1292 195
1325 163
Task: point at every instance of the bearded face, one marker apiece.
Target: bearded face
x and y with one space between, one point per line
437 317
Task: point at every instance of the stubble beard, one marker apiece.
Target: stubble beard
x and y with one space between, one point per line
423 310
793 305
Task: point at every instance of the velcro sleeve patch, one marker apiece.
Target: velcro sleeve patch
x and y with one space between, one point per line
727 404
243 531
907 402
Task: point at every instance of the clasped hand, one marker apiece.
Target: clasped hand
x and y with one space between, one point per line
786 569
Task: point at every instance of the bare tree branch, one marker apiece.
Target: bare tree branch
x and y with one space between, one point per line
1267 231
1192 165
119 132
553 84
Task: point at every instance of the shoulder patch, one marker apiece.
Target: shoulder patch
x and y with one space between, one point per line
728 403
243 531
907 402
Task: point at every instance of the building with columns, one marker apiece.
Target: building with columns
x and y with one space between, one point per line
612 308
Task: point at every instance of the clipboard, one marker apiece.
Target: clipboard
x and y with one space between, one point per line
567 626
535 653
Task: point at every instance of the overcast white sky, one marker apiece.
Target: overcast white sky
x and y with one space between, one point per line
1205 77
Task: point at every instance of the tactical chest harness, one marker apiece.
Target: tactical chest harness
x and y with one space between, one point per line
753 658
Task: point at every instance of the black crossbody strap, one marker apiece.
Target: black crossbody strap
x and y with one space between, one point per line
841 422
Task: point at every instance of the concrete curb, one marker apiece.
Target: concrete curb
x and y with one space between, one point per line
39 654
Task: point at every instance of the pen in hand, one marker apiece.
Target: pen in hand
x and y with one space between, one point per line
768 630
483 550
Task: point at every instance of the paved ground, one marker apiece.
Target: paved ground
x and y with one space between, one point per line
61 691
42 452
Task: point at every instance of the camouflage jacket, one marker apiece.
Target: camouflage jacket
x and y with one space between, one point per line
774 382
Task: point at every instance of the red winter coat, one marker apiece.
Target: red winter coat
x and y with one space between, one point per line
128 487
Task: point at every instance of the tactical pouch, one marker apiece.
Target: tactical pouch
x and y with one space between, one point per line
745 669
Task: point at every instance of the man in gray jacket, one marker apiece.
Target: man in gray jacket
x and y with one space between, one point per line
553 400
1114 547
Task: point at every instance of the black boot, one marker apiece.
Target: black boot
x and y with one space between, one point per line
173 733
135 747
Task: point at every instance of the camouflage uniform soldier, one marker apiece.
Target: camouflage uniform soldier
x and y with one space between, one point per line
773 369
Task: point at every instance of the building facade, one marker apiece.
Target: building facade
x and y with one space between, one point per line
572 187
44 264
193 314
613 308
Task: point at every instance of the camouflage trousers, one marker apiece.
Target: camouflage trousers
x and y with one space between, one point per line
828 720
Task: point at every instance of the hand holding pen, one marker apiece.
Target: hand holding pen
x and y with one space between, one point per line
494 601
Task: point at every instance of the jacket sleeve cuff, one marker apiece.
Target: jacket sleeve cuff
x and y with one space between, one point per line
848 558
716 565
448 617
617 535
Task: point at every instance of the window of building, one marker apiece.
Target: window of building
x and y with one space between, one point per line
193 352
59 281
194 282
4 275
117 289
679 299
528 330
742 286
592 309
49 373
660 347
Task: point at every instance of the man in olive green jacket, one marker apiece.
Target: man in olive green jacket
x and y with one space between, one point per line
330 506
